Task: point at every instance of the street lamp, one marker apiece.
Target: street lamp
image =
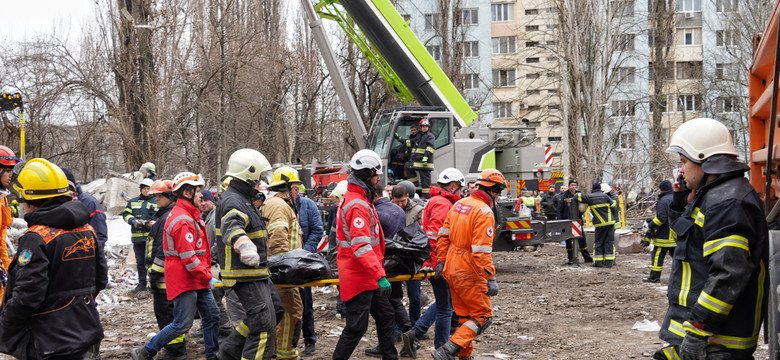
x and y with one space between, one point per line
564 71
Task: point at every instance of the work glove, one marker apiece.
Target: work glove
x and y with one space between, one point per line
425 159
138 224
492 288
693 347
247 251
439 270
384 287
213 283
645 242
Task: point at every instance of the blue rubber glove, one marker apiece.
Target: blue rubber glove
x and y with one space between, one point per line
384 287
213 282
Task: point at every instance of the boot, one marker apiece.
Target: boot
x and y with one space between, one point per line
586 256
169 355
655 276
446 351
410 338
140 354
373 352
608 263
598 263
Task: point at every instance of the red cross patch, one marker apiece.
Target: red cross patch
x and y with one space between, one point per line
358 223
189 237
490 231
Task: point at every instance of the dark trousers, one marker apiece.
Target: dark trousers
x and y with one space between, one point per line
583 245
413 289
425 183
163 312
357 310
257 336
309 335
604 245
140 262
402 321
658 255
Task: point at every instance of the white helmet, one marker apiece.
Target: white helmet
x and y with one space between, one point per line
147 182
698 139
187 178
606 188
148 167
366 159
247 165
340 189
449 175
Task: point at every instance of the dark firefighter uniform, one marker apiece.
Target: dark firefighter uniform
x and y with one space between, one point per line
601 205
140 208
60 267
564 213
409 145
663 238
155 260
422 162
236 217
718 284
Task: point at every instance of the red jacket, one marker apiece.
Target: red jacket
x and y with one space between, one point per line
433 218
361 244
186 248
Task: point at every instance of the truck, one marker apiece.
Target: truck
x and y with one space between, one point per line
386 40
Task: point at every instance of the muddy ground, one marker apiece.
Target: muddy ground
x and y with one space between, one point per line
544 310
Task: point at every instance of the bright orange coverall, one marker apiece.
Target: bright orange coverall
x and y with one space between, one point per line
465 243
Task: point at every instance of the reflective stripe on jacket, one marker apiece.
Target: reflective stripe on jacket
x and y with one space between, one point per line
600 206
433 216
465 240
186 249
284 231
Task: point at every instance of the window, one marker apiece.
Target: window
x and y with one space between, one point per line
502 110
470 81
407 18
724 6
626 75
532 75
552 92
726 105
470 48
554 139
552 43
725 38
554 123
688 5
552 27
551 10
650 72
553 107
552 58
623 8
502 12
532 92
504 77
724 71
551 74
689 102
504 45
627 140
440 128
534 107
689 70
532 28
431 21
435 51
623 108
468 17
663 104
532 60
531 43
532 11
660 37
691 36
625 42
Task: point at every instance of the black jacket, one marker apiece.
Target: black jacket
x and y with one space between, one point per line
424 149
236 217
548 205
155 258
601 206
563 206
660 224
60 267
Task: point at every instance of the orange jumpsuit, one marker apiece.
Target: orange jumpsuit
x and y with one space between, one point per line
465 243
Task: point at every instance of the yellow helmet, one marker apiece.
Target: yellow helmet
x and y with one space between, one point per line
41 179
285 175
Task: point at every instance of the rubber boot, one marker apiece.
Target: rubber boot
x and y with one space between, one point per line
446 351
609 263
655 276
586 256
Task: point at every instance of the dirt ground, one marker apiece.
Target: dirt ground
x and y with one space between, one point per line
544 310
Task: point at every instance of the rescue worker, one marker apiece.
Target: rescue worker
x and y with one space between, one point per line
97 217
409 145
361 249
563 212
162 190
659 234
139 213
422 158
450 183
148 170
188 279
49 310
242 237
7 162
413 212
527 199
463 255
547 203
718 285
311 227
601 205
14 208
284 234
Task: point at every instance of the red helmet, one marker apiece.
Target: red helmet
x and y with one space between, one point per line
424 122
7 156
491 177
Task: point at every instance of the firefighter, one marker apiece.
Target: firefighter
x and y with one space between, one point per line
409 145
463 252
718 285
49 310
450 183
563 212
148 171
360 259
139 213
284 234
659 234
162 190
547 203
422 158
601 206
188 278
242 238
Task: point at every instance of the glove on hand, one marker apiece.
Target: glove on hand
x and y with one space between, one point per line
248 251
139 224
645 242
213 282
384 287
425 159
492 288
439 270
693 347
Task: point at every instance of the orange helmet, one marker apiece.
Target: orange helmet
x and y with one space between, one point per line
7 157
164 186
491 177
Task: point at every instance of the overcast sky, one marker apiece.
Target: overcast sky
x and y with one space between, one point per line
26 19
